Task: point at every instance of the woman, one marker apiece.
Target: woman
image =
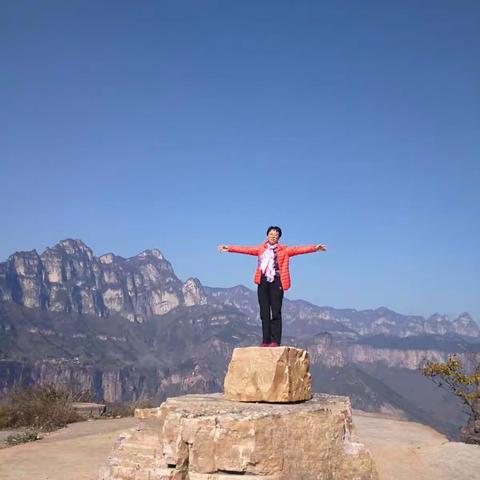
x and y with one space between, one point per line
272 277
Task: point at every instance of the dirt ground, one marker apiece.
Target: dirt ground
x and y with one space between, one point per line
72 453
410 451
402 451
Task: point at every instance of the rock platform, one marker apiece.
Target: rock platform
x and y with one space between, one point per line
207 437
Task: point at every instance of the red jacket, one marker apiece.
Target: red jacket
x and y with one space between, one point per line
283 256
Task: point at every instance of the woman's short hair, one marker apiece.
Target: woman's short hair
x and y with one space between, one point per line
278 229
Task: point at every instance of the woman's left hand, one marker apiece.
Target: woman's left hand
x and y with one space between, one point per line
321 247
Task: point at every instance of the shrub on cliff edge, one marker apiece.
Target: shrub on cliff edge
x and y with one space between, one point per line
466 385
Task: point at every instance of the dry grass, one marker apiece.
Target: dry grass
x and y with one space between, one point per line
41 407
29 435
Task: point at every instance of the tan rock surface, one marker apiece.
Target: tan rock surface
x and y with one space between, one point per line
257 374
200 437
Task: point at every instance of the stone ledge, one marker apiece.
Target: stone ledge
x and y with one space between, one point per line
88 409
206 437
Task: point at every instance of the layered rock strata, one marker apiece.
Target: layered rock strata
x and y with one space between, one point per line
280 374
206 437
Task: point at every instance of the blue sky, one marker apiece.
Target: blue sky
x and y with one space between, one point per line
184 124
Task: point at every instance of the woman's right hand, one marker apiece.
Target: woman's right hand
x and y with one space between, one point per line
222 248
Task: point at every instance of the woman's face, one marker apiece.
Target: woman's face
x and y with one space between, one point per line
273 237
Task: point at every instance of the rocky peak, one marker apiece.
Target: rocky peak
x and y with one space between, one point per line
68 277
464 318
465 325
193 292
438 324
151 253
241 290
25 263
383 311
75 247
437 317
153 261
107 259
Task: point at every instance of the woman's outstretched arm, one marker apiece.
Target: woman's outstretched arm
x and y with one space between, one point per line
237 249
292 251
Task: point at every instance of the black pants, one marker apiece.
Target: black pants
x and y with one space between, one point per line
270 298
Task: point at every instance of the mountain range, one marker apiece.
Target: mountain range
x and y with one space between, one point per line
129 328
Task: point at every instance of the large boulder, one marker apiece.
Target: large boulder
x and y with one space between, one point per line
205 437
259 374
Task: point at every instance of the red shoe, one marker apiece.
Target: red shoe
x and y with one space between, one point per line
274 344
265 344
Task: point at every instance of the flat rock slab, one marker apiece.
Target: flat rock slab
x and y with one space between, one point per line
88 409
206 437
263 374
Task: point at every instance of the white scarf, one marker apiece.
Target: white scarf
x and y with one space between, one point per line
267 262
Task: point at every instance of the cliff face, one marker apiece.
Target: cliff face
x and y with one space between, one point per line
111 384
69 278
